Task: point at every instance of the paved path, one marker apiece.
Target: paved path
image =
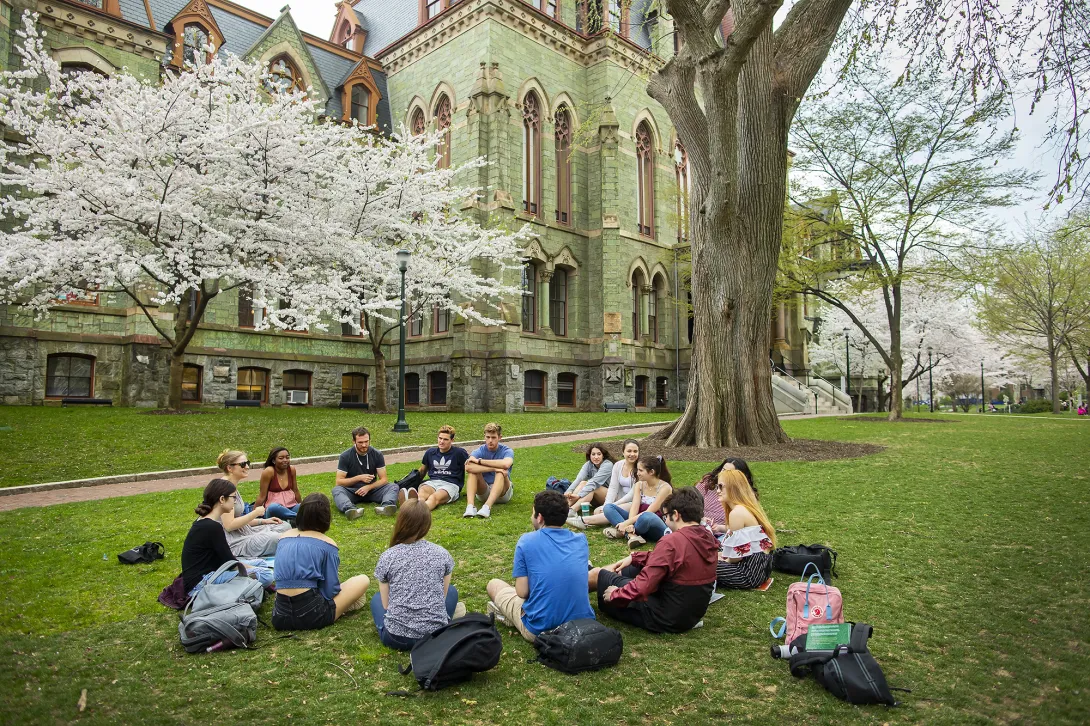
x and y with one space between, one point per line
106 491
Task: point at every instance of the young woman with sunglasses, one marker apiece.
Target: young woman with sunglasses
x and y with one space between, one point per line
249 535
745 551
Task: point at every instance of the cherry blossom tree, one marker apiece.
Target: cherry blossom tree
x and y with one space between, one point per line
172 194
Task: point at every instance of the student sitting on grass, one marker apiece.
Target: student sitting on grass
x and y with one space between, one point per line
745 560
361 478
206 548
279 493
488 474
415 597
249 535
668 589
622 478
445 467
550 574
591 484
713 510
643 521
309 593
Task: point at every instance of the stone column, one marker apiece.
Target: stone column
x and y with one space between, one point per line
543 301
645 314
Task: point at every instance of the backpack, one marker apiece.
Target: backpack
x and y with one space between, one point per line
145 553
233 625
412 479
557 485
793 560
807 604
849 672
453 653
239 589
579 645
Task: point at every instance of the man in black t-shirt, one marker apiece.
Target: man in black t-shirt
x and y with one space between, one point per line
445 467
361 477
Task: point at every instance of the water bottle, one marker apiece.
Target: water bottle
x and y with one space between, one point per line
584 509
218 645
105 557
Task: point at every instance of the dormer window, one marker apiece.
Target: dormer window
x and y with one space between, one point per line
195 51
361 105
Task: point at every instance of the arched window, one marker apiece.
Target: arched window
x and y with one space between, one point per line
195 45
69 375
417 125
412 389
558 302
442 122
253 384
354 388
565 390
645 169
192 377
637 304
531 153
641 391
361 105
346 33
437 388
563 139
297 387
529 297
681 172
654 298
533 389
284 76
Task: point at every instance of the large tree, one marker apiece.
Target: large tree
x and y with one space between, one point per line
913 167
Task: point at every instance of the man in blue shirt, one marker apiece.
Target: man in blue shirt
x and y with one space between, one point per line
488 474
445 467
550 574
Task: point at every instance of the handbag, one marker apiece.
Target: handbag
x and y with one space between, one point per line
144 554
793 560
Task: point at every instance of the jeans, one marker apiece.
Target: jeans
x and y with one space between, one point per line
258 569
397 642
345 498
279 510
648 525
305 611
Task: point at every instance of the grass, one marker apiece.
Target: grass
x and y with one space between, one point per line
42 444
964 544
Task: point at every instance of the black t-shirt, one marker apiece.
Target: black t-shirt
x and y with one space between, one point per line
450 466
353 463
205 549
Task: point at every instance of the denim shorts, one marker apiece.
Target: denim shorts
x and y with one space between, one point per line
306 611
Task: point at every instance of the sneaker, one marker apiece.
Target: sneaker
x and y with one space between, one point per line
484 512
635 541
403 496
576 523
700 624
459 610
411 493
494 611
611 533
354 513
387 510
471 511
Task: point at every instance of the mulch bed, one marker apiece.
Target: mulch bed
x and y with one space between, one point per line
883 419
794 450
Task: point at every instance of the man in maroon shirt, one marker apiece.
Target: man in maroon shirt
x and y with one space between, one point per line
668 589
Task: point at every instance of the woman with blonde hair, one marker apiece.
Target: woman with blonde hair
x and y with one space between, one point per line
745 551
249 535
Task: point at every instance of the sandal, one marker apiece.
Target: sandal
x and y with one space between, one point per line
612 533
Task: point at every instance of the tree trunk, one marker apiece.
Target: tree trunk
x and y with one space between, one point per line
1054 372
381 399
174 396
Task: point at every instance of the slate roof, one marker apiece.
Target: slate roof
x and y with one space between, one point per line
389 21
134 12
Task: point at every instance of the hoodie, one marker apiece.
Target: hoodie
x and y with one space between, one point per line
686 557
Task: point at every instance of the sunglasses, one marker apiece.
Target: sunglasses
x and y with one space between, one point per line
242 463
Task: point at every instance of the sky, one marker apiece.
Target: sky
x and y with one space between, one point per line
316 17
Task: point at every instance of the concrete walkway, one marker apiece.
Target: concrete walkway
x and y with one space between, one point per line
196 481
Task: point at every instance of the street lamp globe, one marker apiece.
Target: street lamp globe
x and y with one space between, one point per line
403 260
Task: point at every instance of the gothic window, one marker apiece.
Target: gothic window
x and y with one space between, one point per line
645 166
550 8
195 45
412 389
533 390
563 165
589 18
246 306
531 153
616 21
253 384
417 125
437 388
637 307
442 122
681 172
529 297
558 302
70 375
416 325
284 76
654 298
361 104
441 320
565 390
431 9
354 388
191 383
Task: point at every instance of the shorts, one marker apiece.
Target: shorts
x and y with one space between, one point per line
509 605
503 499
306 611
441 485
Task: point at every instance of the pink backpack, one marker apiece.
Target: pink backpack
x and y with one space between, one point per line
808 603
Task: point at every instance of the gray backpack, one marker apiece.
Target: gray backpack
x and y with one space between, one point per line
239 589
233 625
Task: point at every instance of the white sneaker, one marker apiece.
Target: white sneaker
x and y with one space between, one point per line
402 496
700 624
576 523
484 512
471 511
353 513
459 610
388 510
494 611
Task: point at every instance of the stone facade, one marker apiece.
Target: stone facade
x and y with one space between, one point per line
486 56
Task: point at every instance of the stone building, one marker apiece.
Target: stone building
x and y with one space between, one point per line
552 93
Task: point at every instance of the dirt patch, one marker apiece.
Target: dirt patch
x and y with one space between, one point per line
794 450
883 419
172 412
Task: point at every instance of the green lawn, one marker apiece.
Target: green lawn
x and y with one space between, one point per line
965 544
42 444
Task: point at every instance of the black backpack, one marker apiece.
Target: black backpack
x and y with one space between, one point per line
579 645
145 553
850 672
412 479
452 654
793 560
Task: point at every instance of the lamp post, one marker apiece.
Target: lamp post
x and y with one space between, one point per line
917 394
982 385
847 366
930 383
402 426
